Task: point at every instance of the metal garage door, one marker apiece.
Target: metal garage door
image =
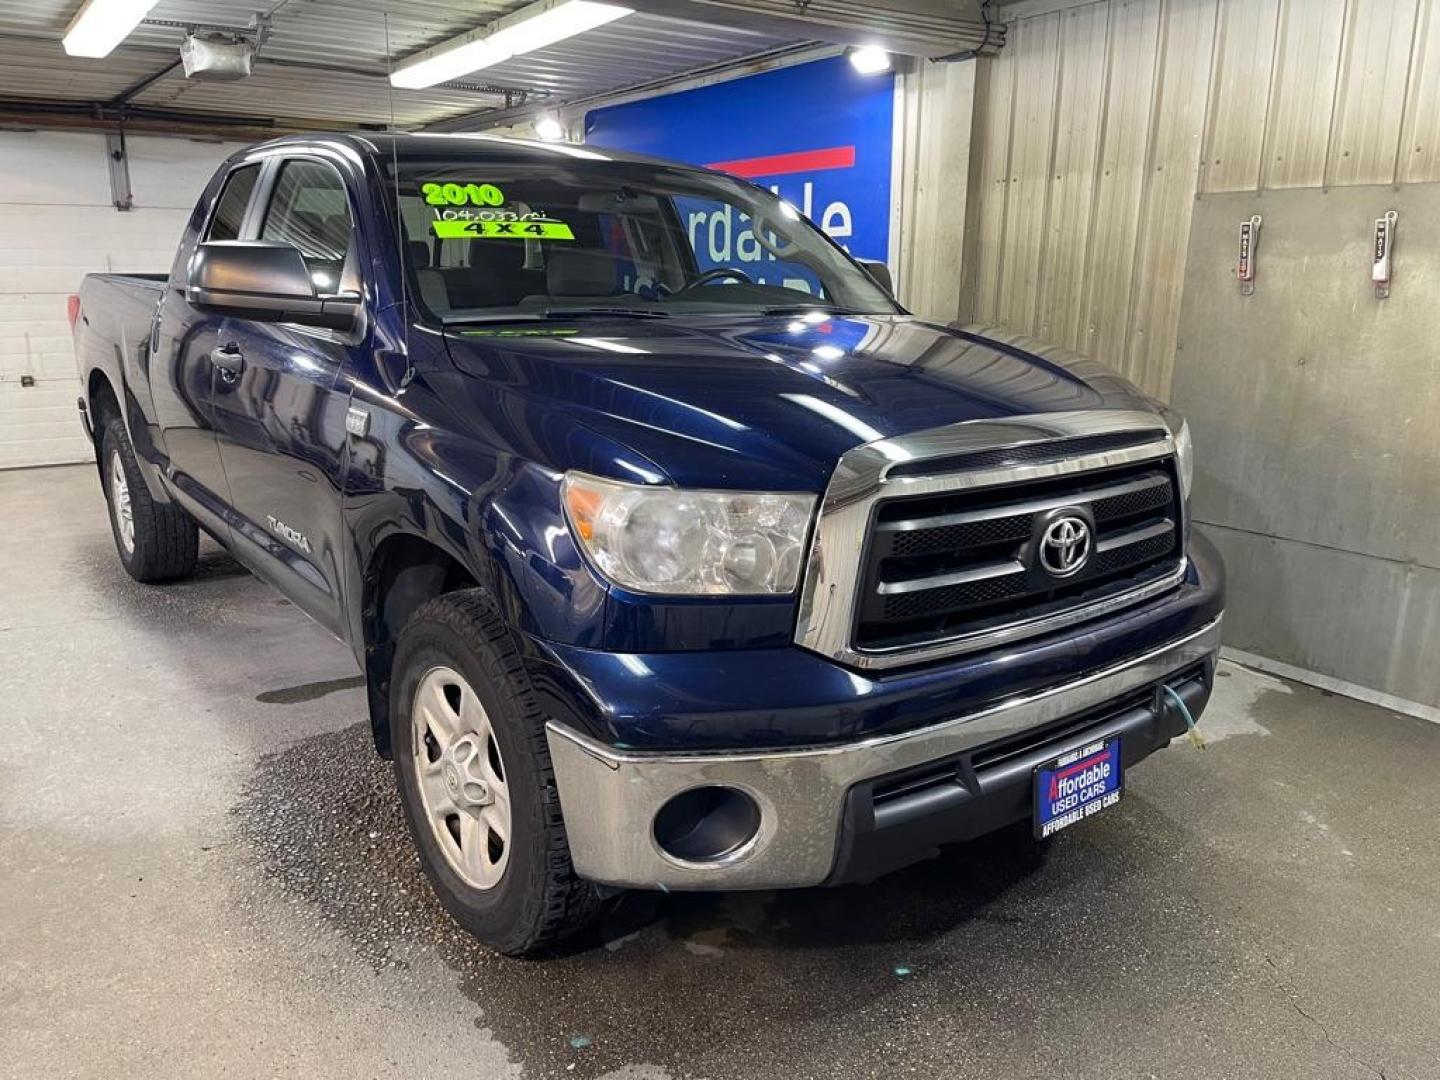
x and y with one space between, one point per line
57 224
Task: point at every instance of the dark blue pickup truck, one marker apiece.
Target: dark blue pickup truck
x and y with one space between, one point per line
675 553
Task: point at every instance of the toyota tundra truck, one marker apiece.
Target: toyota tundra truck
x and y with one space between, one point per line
670 564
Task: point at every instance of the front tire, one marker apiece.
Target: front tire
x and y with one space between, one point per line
156 541
473 768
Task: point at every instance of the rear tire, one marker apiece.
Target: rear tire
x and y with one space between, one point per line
473 768
156 541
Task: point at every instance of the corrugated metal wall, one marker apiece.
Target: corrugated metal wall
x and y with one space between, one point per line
1099 123
932 161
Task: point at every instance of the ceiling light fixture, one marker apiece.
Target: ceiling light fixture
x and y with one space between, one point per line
870 60
102 24
549 128
530 28
447 65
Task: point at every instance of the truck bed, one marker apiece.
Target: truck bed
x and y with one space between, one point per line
115 310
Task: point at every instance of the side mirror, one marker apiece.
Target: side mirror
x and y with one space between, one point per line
256 279
879 273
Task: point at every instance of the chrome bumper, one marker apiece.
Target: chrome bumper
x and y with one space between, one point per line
610 797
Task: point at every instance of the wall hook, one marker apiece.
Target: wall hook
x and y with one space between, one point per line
1245 267
1384 244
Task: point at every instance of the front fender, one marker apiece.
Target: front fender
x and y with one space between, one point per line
495 514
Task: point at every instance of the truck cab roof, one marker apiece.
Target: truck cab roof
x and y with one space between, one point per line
477 146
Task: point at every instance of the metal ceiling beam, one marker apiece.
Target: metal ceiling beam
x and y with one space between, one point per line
1011 10
127 113
904 27
16 115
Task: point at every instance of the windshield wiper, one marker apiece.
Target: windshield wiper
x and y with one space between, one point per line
555 313
801 309
499 317
618 312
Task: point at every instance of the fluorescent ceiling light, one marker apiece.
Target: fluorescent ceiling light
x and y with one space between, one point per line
870 60
531 28
102 24
547 27
448 65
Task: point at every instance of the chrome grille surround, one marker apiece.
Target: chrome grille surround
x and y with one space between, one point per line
834 569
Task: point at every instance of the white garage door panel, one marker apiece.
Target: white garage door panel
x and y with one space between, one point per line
46 168
41 422
57 224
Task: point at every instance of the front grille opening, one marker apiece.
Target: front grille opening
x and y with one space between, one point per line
998 753
897 787
979 612
992 755
943 565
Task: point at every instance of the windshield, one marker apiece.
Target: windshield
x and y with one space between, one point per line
489 241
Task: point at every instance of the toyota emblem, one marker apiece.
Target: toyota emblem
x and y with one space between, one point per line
1065 545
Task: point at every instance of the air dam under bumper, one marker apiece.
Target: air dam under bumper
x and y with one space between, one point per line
610 797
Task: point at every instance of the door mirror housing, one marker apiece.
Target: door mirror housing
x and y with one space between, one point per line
879 273
269 282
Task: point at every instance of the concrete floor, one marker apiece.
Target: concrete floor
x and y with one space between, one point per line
203 871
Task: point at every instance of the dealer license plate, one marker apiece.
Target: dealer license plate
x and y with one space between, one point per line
1074 786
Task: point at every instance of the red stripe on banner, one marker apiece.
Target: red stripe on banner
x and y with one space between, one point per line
1083 764
834 157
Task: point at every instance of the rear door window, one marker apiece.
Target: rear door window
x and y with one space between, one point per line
308 209
230 207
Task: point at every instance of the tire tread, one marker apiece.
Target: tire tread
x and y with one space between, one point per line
558 902
167 540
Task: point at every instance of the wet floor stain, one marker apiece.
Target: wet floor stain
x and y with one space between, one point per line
689 974
312 691
1015 957
217 566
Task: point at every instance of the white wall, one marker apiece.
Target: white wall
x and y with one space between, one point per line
57 224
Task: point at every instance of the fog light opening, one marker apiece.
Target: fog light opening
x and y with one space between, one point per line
705 824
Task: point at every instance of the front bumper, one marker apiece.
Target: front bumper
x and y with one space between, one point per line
819 819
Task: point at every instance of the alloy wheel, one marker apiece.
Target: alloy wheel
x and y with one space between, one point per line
120 503
460 775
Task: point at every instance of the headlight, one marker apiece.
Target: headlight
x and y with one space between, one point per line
1184 450
667 540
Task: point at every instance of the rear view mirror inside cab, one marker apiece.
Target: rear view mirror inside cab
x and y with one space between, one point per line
618 202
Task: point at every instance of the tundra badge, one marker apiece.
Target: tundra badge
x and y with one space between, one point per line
294 536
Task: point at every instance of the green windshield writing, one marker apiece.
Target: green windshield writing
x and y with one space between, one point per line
462 194
518 229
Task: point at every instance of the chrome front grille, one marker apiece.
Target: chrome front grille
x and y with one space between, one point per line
1005 457
940 564
925 544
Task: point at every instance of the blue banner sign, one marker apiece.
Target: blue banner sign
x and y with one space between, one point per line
817 134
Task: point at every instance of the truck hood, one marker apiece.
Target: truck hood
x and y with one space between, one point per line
764 402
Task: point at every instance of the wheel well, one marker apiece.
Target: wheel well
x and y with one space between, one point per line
102 402
404 572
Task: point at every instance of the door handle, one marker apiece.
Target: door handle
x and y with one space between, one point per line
229 361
